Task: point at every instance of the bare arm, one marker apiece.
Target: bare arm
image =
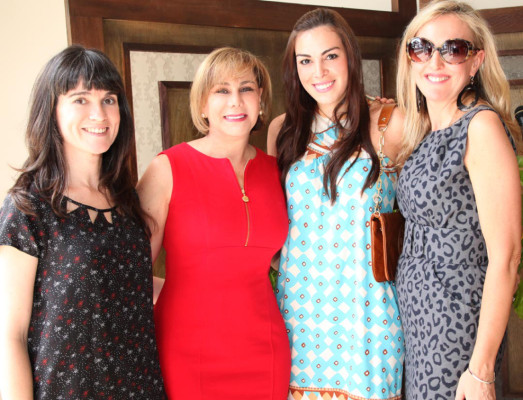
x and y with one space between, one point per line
494 173
154 190
17 277
272 134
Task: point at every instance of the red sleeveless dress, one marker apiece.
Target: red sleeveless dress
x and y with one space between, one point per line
219 330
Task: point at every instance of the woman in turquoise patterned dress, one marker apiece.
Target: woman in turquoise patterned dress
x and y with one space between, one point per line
344 327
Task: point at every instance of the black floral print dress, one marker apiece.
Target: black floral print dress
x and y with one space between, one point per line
91 334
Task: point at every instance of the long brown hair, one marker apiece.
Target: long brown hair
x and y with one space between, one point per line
295 133
45 170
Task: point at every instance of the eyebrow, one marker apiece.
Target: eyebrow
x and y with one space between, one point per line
241 83
322 53
87 92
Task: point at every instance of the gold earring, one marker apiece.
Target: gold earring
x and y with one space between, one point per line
204 116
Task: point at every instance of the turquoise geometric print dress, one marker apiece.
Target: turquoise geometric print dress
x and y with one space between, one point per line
344 327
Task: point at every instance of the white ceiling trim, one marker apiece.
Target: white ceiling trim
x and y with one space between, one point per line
374 5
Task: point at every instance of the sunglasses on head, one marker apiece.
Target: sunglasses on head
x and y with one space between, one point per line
453 51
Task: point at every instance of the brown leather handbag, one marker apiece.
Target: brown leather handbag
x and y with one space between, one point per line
386 228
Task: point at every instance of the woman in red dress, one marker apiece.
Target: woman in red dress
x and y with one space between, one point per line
218 210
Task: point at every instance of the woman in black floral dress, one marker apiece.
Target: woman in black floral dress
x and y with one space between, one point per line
75 260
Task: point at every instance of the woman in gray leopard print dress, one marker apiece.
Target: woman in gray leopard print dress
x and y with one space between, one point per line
459 192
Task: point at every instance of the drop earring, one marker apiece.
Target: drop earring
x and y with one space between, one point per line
471 87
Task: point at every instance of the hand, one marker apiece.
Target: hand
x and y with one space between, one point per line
471 389
384 100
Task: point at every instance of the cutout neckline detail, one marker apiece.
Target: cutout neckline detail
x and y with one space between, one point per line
100 210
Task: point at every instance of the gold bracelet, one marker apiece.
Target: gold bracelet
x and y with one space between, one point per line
481 380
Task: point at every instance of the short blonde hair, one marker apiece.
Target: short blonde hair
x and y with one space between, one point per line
228 62
495 88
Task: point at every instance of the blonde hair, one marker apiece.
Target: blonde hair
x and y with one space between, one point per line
228 62
495 88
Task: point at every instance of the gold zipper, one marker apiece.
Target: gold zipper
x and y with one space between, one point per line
245 199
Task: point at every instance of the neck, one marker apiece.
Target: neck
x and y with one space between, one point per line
84 172
328 112
443 115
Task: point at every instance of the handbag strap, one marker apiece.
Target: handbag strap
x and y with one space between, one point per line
383 123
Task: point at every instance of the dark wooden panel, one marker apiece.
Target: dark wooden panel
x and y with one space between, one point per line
177 126
501 20
234 13
504 20
87 31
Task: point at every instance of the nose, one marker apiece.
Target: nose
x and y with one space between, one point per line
319 69
97 112
437 59
235 99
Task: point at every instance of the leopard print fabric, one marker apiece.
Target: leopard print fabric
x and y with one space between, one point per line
442 268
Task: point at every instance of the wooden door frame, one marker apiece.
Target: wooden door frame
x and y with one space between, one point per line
85 17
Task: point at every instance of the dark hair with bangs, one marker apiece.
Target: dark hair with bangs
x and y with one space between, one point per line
300 107
45 170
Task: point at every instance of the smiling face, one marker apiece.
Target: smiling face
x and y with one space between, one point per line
88 120
441 82
322 66
233 105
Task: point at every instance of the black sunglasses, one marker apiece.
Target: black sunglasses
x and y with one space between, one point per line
453 51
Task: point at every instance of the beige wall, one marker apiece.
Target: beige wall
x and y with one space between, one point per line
32 31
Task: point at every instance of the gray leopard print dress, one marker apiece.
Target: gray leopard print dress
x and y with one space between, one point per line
442 268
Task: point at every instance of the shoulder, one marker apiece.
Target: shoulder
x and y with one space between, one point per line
159 170
23 231
37 205
174 150
273 132
486 116
265 167
168 159
277 122
263 157
160 163
486 127
487 140
8 210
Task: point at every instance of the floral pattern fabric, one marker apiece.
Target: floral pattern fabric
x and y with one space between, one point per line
91 333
